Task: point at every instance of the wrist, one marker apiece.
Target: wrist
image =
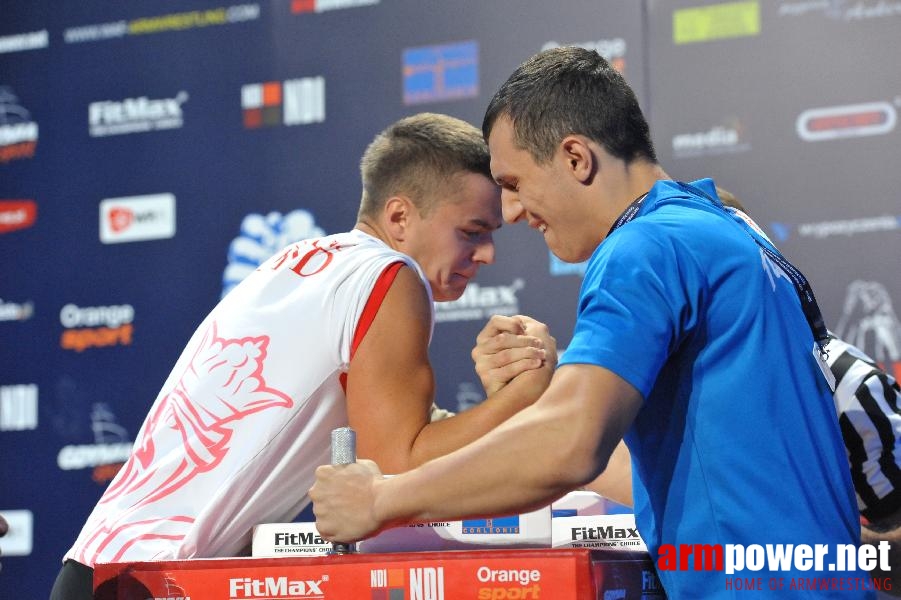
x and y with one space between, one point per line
384 510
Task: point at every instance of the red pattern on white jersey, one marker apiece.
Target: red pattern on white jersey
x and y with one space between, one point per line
245 417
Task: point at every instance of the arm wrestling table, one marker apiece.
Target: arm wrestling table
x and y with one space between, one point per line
552 574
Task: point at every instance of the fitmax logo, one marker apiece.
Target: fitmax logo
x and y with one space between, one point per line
604 533
135 115
304 538
275 587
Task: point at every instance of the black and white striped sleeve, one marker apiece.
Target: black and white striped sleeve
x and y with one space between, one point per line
867 402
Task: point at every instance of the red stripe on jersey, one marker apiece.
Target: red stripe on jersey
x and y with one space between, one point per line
379 290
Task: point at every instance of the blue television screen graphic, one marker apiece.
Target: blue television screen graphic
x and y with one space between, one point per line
436 73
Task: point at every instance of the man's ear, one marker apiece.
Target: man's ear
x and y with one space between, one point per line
579 159
398 211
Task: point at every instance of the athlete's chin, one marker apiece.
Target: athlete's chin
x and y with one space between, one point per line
452 290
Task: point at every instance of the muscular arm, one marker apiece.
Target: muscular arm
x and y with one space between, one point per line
616 480
501 356
559 443
390 387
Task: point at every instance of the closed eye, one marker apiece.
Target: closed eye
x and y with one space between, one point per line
508 184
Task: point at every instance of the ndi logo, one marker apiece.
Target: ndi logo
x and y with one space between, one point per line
493 526
427 583
18 407
291 102
387 583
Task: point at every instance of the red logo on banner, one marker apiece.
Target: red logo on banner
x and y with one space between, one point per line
17 214
387 584
303 6
120 219
853 120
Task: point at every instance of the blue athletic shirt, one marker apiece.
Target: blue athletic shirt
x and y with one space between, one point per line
737 440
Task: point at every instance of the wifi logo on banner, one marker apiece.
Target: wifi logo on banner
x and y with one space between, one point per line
291 102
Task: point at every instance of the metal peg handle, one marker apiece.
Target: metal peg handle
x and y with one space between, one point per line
344 446
344 452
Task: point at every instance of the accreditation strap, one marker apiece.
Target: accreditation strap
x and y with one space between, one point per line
800 283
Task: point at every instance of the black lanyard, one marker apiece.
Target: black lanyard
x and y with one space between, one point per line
802 286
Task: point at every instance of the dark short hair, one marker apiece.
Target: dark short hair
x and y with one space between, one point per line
416 156
571 90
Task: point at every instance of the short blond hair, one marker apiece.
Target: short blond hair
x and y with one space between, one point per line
417 155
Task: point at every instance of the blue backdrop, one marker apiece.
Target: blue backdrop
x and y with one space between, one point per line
151 153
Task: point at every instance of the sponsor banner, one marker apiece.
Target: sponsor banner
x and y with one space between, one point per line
727 138
613 50
18 407
88 456
17 214
19 42
841 10
18 132
261 237
629 578
238 13
841 228
479 302
292 102
16 311
135 115
870 322
19 540
111 448
438 73
716 22
560 574
96 326
852 120
137 218
288 539
310 6
608 532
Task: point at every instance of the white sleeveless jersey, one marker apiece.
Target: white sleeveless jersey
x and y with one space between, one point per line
246 414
